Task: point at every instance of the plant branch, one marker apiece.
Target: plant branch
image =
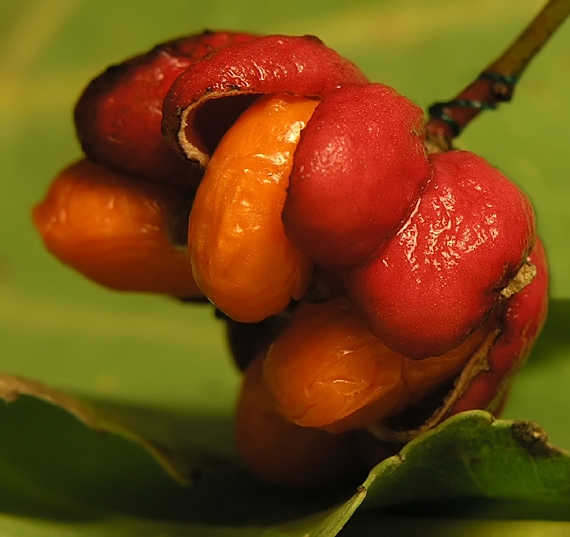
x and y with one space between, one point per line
496 83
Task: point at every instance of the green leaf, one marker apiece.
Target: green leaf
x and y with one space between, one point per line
472 455
452 527
169 436
469 457
58 475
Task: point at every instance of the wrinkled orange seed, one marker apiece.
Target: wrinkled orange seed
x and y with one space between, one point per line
241 258
116 230
279 451
327 369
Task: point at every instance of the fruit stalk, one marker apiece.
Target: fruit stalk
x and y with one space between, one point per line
496 83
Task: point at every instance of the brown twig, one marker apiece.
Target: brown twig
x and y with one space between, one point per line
496 83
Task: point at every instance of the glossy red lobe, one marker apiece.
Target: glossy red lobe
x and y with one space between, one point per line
196 113
436 281
118 116
358 169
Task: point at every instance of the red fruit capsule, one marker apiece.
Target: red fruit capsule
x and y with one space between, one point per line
196 113
118 116
430 286
358 171
485 378
522 321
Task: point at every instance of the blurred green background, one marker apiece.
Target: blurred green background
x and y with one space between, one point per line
59 328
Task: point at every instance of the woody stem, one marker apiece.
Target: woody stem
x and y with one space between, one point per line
496 83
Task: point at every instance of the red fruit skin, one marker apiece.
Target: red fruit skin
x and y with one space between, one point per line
118 116
437 280
300 65
524 316
358 170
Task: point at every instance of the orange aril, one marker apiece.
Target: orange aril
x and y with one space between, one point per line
241 258
327 370
116 230
282 452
